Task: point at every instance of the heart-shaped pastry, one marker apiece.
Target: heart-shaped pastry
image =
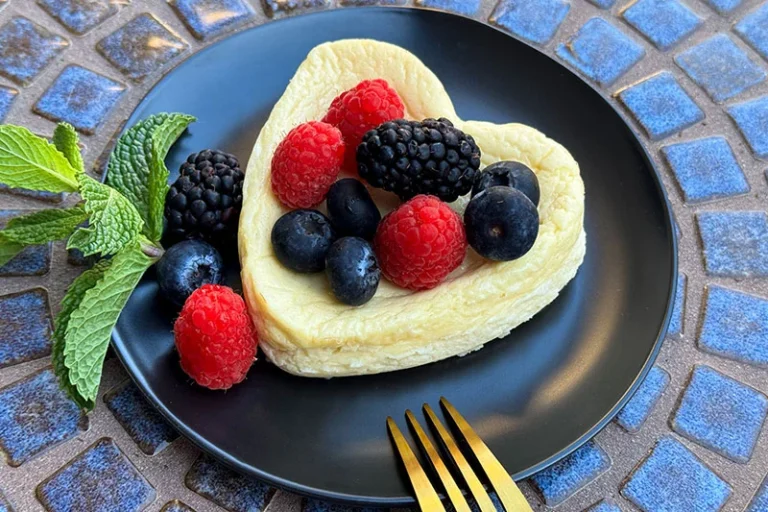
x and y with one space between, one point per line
304 330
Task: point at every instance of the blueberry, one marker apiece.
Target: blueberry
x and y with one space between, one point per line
301 239
351 209
502 223
352 270
509 174
185 267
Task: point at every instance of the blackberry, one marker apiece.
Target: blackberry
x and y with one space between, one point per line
205 201
419 157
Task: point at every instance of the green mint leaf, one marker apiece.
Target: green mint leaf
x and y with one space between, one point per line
31 162
65 139
136 168
90 325
113 222
44 225
71 301
8 250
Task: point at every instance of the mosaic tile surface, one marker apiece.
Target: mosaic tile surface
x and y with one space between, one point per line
80 97
533 20
36 415
227 488
142 422
80 16
26 330
722 68
694 486
101 479
26 49
601 51
721 413
661 106
141 47
689 75
706 169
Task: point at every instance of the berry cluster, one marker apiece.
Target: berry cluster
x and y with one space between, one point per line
427 164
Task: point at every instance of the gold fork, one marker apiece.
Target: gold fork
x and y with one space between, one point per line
506 489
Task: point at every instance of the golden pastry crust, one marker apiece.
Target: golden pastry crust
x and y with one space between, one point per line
304 330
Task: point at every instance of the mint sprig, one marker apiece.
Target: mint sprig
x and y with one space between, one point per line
71 301
124 220
113 220
136 168
89 327
31 162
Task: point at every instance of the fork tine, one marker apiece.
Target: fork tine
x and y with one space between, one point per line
454 493
426 495
506 489
476 488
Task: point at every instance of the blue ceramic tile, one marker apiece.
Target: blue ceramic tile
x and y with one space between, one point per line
721 414
36 415
752 119
678 310
561 480
80 97
7 95
141 46
735 326
26 329
310 505
142 421
466 7
176 506
534 20
673 479
706 169
723 6
372 2
280 7
601 51
604 506
80 16
720 67
753 28
735 243
664 22
101 479
26 49
31 261
661 106
760 501
603 4
207 18
637 410
225 487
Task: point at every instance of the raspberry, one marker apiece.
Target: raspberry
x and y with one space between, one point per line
306 163
360 109
215 337
420 243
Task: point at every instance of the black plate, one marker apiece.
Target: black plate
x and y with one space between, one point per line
534 396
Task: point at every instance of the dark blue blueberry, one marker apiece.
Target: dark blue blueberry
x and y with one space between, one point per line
187 266
351 209
502 223
352 270
301 240
509 174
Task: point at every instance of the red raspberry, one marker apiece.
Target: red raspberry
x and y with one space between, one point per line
420 243
215 337
306 163
363 108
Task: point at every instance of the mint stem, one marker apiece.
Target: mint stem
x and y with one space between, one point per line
154 251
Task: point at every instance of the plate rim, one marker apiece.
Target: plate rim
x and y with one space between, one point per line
117 341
